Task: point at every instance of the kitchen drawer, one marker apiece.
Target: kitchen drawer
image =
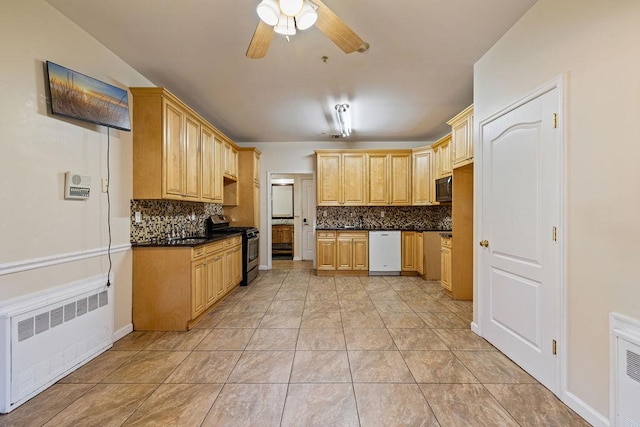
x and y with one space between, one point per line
198 251
215 246
353 234
233 241
327 234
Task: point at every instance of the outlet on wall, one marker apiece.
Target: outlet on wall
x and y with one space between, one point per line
138 217
381 214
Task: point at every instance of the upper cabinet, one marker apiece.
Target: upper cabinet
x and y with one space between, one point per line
423 181
212 152
329 179
400 179
176 153
230 161
442 157
361 178
353 177
341 178
242 197
462 137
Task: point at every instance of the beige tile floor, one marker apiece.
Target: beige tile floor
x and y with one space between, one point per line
294 349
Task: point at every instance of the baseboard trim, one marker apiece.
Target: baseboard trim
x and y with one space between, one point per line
122 332
475 328
592 416
32 264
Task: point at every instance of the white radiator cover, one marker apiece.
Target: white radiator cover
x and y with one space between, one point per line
625 372
46 335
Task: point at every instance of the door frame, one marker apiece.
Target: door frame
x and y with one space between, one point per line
311 216
560 384
267 233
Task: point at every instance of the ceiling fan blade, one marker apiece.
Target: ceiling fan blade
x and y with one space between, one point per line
337 31
260 41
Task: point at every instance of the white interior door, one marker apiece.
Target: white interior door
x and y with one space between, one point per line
519 270
308 219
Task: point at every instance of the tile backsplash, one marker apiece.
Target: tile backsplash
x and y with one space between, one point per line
163 217
422 217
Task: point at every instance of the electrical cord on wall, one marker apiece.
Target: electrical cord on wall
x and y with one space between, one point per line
109 209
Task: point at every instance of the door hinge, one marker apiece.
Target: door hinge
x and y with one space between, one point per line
555 120
554 347
555 234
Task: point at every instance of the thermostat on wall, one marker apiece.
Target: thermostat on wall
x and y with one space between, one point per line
76 186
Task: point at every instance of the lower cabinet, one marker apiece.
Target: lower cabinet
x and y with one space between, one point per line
173 286
326 250
445 263
412 252
342 251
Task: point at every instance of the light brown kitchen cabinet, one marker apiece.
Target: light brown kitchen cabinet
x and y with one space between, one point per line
174 286
353 178
181 168
419 253
328 175
462 220
198 287
346 252
400 179
230 161
341 178
325 251
242 197
445 266
408 251
352 250
423 193
176 153
462 137
431 248
378 179
363 177
442 157
389 178
212 152
412 252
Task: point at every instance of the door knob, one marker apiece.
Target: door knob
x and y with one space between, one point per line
484 243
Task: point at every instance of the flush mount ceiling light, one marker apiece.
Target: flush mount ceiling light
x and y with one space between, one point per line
287 16
344 119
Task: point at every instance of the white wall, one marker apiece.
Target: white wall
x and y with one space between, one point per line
37 148
300 158
596 43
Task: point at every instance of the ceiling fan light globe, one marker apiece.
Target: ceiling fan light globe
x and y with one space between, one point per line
307 17
268 11
291 7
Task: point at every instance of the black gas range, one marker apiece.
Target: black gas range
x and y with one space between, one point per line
219 224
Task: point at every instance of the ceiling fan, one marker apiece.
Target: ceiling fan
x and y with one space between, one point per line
287 16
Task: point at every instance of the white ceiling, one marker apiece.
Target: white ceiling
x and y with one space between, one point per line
416 75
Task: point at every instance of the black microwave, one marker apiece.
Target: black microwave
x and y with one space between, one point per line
444 189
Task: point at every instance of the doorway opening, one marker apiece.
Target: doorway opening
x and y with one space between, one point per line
291 218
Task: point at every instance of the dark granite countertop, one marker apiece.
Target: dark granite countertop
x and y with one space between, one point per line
446 235
380 229
186 242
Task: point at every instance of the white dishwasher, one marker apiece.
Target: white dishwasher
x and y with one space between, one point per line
384 253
